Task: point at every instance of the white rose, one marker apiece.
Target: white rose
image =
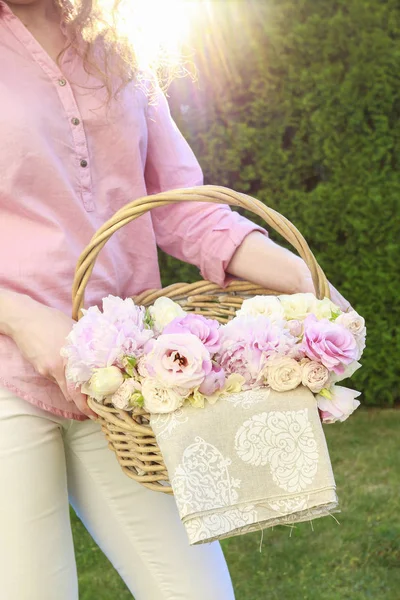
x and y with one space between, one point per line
356 324
324 309
314 376
298 306
165 310
352 321
268 306
158 399
360 341
283 374
128 395
104 382
337 404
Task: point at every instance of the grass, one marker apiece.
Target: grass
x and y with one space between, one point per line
356 560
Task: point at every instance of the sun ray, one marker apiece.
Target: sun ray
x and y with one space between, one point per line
158 30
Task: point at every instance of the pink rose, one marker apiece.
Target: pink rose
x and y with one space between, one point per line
328 343
213 382
340 404
247 342
207 330
178 360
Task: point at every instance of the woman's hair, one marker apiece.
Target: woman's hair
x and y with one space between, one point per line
98 31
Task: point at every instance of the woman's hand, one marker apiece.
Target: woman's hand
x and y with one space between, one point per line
306 285
40 332
260 260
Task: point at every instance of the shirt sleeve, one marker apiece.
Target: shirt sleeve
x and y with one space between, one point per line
202 234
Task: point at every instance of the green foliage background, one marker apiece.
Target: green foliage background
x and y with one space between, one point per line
298 104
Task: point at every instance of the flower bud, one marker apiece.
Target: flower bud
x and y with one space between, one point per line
105 382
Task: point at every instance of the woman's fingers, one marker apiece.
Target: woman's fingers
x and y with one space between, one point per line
81 403
73 395
307 285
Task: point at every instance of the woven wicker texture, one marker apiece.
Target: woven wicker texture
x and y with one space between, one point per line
129 433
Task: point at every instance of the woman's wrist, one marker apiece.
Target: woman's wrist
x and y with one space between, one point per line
260 260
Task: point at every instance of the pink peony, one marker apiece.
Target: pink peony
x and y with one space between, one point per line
213 382
328 343
340 404
128 320
101 339
178 360
247 342
124 314
207 330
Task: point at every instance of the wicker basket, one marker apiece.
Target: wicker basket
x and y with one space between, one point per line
129 433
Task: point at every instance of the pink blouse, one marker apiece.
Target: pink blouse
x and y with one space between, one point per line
68 161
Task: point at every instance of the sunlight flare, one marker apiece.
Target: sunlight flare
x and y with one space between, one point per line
157 29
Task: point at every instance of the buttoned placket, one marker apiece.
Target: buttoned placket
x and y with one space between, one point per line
67 99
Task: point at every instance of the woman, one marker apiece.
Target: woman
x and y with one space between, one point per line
73 151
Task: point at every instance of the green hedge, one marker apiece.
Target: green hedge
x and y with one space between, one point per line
298 104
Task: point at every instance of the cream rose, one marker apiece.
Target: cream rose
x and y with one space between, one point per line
298 306
268 306
128 395
104 382
165 310
314 376
283 374
159 399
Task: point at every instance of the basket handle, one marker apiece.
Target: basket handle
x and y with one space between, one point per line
210 193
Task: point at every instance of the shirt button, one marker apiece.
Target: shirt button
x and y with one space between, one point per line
62 82
75 121
84 163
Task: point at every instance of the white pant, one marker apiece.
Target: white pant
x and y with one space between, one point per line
45 459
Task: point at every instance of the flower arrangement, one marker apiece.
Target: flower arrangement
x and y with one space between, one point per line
163 357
